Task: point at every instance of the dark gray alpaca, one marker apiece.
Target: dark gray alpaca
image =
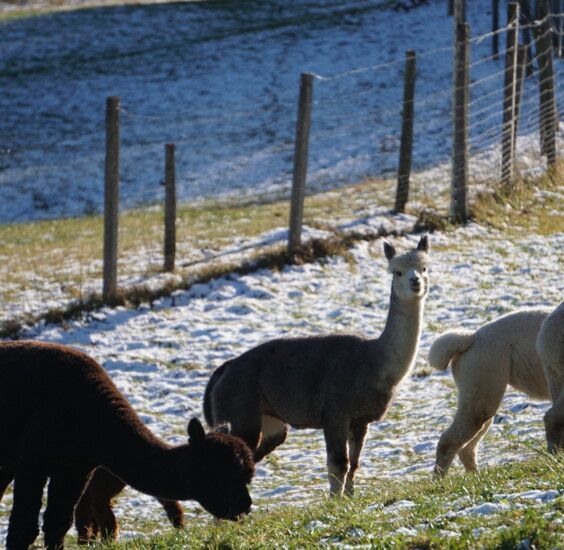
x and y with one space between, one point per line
337 383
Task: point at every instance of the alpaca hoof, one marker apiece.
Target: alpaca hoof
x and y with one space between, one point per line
438 472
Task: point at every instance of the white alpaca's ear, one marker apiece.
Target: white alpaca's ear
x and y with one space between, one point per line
423 243
196 433
389 250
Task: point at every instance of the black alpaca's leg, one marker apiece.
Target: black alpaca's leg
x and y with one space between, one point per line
107 521
174 512
65 489
23 527
84 519
6 477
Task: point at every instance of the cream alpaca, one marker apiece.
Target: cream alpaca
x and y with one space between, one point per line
484 362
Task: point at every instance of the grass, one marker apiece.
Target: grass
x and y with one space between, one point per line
371 518
530 205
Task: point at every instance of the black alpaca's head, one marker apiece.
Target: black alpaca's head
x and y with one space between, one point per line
223 467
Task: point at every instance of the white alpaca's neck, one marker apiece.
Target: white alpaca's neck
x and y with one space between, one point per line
399 340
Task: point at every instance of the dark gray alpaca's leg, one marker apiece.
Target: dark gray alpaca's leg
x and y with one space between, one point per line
6 477
357 436
174 512
241 409
337 457
65 489
23 527
273 434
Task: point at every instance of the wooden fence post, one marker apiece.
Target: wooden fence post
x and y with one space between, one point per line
459 11
548 116
522 62
170 209
111 199
301 148
459 192
404 169
558 24
495 28
526 16
510 94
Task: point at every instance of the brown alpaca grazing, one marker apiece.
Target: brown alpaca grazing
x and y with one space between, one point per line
93 515
61 417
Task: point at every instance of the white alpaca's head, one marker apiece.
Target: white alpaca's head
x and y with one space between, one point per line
410 270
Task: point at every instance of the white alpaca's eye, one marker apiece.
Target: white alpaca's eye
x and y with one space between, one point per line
424 269
399 273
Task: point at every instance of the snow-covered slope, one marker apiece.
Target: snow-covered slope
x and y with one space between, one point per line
220 79
162 357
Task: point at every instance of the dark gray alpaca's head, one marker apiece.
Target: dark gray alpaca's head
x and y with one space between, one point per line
410 270
223 468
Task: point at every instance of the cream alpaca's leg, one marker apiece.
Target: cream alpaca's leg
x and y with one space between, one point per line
463 429
468 453
356 442
337 458
481 384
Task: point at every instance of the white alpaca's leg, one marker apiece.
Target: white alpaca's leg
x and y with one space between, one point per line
357 436
469 453
337 457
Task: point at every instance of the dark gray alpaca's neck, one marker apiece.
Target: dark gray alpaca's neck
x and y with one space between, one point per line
151 466
399 340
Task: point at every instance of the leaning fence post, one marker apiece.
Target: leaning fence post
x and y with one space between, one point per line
459 192
404 170
111 199
301 147
548 116
170 209
510 94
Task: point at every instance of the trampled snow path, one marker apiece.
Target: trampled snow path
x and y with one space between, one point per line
161 357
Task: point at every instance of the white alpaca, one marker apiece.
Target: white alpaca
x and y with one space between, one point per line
550 347
484 362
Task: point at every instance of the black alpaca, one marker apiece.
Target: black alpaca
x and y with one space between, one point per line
61 417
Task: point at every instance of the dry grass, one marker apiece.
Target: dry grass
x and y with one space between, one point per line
530 205
65 255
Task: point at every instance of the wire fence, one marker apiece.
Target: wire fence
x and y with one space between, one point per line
245 150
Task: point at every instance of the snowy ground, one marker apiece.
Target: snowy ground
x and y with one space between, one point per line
220 79
161 357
